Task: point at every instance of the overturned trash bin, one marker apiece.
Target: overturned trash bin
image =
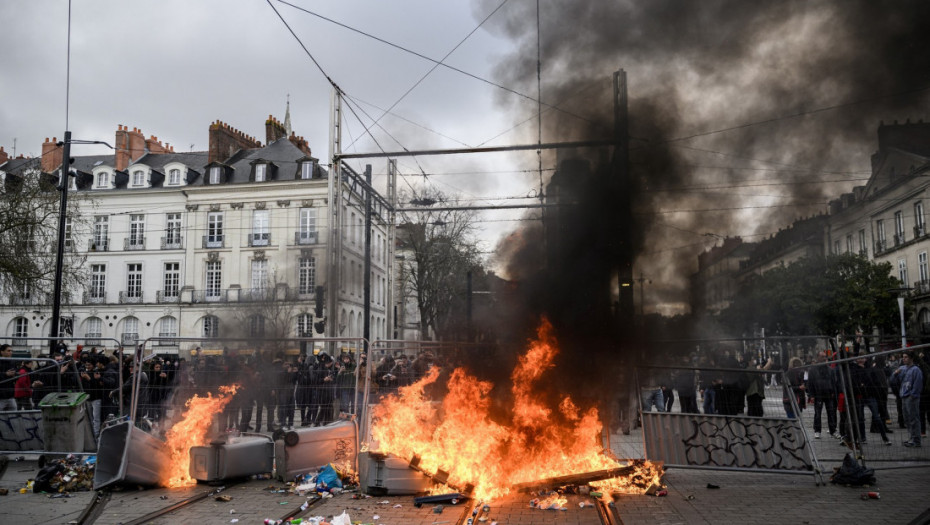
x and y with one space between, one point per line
129 454
386 475
66 423
231 457
305 450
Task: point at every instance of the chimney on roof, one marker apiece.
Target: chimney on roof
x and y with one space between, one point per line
225 140
274 130
130 146
51 155
3 156
300 142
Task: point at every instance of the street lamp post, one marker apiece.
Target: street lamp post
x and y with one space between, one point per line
64 182
901 292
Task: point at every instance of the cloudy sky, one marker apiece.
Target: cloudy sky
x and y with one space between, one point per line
745 115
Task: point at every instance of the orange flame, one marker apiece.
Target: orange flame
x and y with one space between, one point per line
459 436
191 431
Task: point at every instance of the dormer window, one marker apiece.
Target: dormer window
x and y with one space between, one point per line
215 172
103 180
260 172
138 178
174 178
306 170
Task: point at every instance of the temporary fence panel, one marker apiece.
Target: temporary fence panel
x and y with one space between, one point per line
737 429
21 431
696 440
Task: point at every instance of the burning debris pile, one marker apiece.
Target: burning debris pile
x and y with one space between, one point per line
192 431
459 436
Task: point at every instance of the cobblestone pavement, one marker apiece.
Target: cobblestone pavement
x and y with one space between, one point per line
743 498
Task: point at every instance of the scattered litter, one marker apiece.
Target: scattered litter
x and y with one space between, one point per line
376 517
222 497
597 494
232 511
4 492
690 497
69 474
397 506
234 520
662 493
712 486
163 497
437 509
62 495
385 502
871 495
343 519
584 504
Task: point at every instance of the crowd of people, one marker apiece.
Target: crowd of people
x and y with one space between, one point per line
819 383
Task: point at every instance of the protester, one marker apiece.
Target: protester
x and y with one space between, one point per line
8 375
912 383
23 385
821 388
866 388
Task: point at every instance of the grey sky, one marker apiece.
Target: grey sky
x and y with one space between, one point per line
172 67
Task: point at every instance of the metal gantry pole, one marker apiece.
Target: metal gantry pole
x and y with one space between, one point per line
64 182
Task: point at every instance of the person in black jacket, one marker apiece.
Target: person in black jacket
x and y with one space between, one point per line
821 387
285 387
866 388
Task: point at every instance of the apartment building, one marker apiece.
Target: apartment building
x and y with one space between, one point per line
239 241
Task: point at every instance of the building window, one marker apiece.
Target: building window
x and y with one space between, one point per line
69 238
261 233
256 326
174 178
849 243
130 331
20 332
215 229
214 279
211 326
138 178
306 229
215 172
880 234
919 224
173 230
863 249
103 180
172 279
342 275
898 227
304 325
94 331
134 280
260 172
259 274
352 229
98 281
922 267
306 277
101 233
136 231
306 170
902 271
168 327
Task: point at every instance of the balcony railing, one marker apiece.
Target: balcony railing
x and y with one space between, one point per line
213 241
920 230
29 300
259 239
170 296
129 339
210 296
130 297
172 243
921 288
98 245
863 252
92 339
166 335
95 298
295 294
134 243
256 294
899 238
17 341
309 237
880 246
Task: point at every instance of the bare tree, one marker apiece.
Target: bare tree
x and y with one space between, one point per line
268 314
442 252
29 213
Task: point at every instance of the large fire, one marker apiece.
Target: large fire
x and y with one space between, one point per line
191 431
459 436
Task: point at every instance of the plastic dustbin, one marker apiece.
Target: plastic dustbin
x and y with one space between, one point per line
65 422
